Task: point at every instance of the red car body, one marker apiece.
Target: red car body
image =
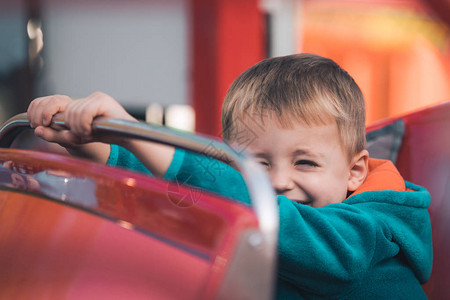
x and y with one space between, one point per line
73 229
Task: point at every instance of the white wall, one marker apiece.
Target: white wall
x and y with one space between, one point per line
285 25
137 51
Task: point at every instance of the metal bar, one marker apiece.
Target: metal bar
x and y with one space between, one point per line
11 128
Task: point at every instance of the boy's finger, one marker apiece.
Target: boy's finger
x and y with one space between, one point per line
49 111
47 134
63 137
41 110
86 114
54 105
80 115
31 112
36 109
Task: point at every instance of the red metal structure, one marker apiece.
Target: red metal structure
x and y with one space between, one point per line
227 38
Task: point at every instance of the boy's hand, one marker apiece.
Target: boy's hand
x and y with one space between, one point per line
78 116
40 114
77 139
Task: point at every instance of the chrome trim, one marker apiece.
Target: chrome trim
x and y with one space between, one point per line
10 129
261 193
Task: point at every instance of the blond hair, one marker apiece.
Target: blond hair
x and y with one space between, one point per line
303 87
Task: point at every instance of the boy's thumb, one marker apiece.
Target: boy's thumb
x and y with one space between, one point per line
55 136
39 131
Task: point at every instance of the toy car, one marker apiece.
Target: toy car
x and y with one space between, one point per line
73 229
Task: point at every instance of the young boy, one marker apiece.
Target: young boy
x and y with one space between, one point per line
350 227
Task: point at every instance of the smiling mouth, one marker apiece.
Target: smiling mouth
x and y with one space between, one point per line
304 202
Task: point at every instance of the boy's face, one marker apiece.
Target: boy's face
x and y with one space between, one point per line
306 163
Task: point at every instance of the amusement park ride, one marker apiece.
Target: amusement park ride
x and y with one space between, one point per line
74 229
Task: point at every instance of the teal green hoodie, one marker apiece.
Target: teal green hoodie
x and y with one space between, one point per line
374 245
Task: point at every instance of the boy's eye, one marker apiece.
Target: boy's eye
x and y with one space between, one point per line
264 163
305 162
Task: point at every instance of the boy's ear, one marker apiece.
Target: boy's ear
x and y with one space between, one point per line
359 167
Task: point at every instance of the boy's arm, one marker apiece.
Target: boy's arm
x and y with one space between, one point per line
78 139
323 250
327 250
208 174
155 157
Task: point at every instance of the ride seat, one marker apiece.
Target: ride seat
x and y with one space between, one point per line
424 158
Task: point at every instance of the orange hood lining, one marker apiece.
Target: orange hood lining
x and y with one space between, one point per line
382 176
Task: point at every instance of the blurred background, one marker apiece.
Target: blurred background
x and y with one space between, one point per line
172 61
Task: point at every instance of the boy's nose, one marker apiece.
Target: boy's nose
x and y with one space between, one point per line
281 181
